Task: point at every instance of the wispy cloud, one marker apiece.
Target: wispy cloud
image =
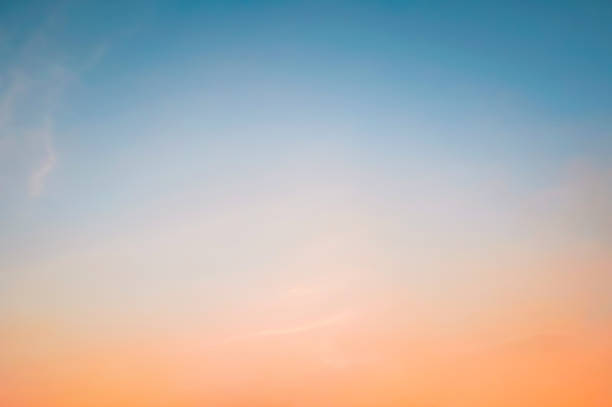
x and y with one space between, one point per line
8 99
37 178
32 85
31 95
97 55
327 321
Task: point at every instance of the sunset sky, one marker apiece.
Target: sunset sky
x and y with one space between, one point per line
306 204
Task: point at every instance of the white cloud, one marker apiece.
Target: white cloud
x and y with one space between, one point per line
31 88
8 99
330 320
40 173
28 95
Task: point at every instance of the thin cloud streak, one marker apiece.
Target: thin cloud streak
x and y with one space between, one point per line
328 321
8 100
35 89
38 177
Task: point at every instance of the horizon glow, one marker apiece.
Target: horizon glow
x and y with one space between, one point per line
259 203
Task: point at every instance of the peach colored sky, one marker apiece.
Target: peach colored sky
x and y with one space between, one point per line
305 204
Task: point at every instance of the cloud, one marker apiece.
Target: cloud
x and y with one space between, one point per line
37 178
330 320
97 55
8 99
32 84
577 204
32 95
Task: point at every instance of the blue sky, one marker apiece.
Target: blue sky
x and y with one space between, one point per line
305 203
119 108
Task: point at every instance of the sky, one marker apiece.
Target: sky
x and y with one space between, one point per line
279 203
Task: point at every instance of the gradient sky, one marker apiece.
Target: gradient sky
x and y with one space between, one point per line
244 203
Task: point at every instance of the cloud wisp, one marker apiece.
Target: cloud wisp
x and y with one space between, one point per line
327 321
31 87
38 177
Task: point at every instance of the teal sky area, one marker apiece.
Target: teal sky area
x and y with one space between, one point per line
124 113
